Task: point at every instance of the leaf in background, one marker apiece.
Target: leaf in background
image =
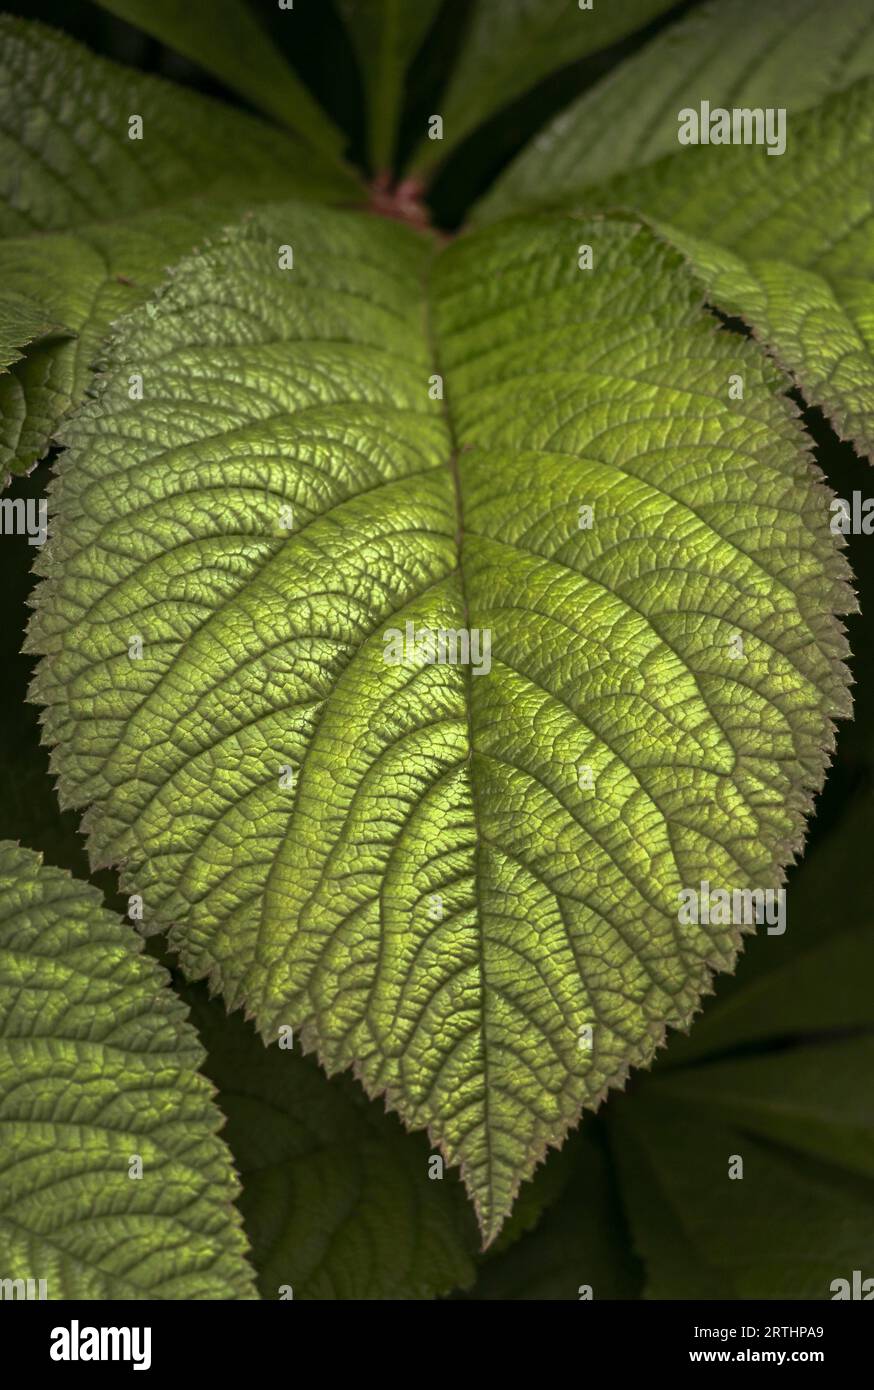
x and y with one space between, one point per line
91 277
226 39
337 1200
816 1099
581 1239
510 45
786 243
68 160
312 899
387 35
29 812
800 1114
785 1230
22 321
817 977
98 1065
728 52
121 210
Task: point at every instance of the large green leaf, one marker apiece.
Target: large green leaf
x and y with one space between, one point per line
386 34
729 52
337 1200
224 37
510 45
310 896
120 210
98 1067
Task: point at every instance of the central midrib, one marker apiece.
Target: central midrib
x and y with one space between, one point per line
454 473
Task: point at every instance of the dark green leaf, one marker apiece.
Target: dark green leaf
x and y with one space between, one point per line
728 52
511 44
386 34
224 37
